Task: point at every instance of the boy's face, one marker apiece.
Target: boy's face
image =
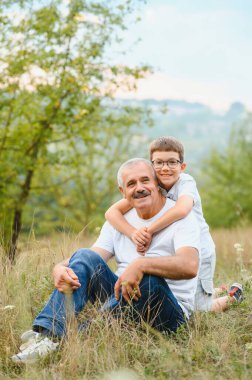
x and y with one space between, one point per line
166 175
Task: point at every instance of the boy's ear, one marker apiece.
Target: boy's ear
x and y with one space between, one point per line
183 166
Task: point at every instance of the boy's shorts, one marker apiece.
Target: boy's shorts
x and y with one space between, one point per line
205 286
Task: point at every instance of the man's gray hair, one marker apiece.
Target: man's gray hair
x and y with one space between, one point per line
131 162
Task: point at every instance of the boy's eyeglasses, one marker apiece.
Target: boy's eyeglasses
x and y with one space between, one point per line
172 164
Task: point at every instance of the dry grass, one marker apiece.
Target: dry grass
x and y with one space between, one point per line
213 347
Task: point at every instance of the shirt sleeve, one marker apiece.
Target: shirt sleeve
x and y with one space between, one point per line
106 238
187 233
188 187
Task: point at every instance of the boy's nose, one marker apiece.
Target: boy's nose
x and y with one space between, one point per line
165 166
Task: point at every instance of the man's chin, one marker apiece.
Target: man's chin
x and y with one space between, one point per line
141 201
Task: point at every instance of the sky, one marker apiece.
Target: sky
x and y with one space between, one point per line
200 50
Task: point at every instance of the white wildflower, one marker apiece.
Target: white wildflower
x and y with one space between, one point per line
238 247
8 307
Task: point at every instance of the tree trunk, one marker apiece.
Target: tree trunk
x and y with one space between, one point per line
33 151
17 220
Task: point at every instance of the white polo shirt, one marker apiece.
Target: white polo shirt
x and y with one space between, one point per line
183 233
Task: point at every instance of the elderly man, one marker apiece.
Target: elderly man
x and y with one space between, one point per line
159 287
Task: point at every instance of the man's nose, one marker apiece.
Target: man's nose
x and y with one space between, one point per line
139 187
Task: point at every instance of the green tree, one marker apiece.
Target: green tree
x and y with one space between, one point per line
227 196
81 187
54 81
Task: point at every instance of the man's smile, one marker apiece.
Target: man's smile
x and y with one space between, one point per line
141 194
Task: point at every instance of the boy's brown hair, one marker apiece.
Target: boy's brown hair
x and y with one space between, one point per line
167 144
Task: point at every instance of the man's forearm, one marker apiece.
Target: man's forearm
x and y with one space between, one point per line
174 267
183 265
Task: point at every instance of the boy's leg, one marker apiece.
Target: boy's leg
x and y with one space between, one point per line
97 282
220 290
205 289
221 304
157 305
235 295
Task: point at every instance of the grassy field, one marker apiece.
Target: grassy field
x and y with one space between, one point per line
214 346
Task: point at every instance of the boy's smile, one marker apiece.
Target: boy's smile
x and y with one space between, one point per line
167 177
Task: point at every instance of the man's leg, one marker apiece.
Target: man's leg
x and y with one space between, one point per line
157 305
97 282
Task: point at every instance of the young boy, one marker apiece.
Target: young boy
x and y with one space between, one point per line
167 157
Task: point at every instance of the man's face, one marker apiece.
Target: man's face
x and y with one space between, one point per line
140 187
167 176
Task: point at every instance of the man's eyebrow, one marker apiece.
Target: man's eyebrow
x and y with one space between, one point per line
130 181
133 180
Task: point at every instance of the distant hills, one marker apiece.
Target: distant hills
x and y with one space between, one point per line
198 126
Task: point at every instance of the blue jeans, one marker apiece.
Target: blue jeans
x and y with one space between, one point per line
156 306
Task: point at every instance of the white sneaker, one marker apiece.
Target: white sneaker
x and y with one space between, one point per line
29 337
35 350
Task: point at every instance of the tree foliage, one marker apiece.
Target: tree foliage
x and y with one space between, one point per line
59 136
227 196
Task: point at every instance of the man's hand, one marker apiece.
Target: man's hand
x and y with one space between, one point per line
142 239
129 282
65 280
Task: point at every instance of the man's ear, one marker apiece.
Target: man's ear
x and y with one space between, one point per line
122 191
183 166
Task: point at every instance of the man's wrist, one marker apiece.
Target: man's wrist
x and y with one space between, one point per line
141 264
64 263
58 266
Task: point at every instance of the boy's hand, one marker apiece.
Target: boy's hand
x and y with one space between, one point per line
142 239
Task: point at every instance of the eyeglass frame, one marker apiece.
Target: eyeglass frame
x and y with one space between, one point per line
167 163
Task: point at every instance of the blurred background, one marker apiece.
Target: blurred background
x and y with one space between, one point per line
85 85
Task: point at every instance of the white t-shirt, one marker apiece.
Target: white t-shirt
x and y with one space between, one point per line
186 185
183 233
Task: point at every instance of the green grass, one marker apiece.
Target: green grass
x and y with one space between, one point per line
213 346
